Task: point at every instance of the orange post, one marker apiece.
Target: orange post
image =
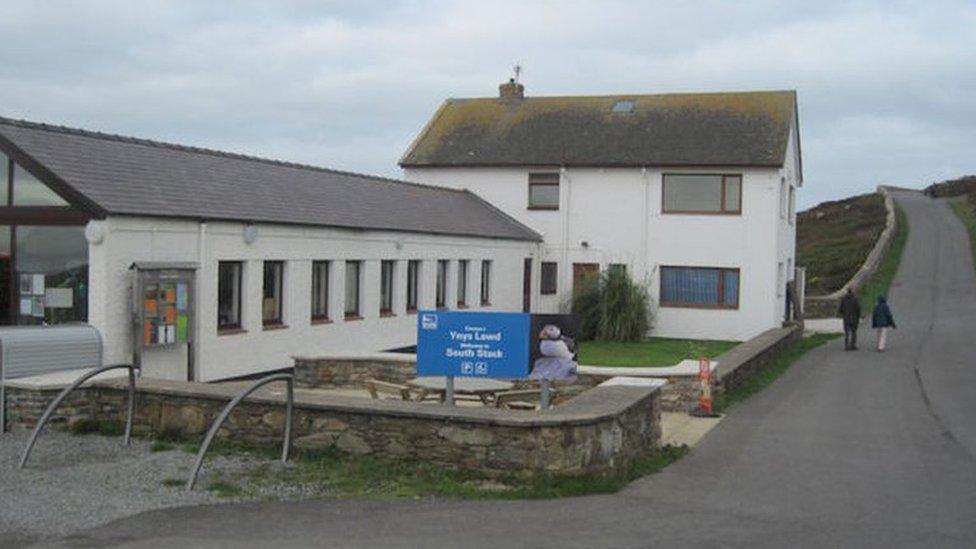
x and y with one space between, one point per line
705 380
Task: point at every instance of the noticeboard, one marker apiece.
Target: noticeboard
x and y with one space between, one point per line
163 305
473 344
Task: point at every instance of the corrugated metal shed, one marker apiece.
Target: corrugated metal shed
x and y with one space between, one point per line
36 350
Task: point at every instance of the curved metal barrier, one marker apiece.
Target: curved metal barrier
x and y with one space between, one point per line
64 394
290 397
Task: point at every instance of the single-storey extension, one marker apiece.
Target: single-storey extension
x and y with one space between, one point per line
287 259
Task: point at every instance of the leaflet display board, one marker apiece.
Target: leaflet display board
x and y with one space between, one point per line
163 304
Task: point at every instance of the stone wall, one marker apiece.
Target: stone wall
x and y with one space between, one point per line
348 371
744 361
734 367
599 431
24 407
825 306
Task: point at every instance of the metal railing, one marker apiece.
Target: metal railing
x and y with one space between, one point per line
290 397
64 394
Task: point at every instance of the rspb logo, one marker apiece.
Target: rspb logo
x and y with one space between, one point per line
428 321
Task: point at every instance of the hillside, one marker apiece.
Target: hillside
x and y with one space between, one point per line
834 238
962 198
953 187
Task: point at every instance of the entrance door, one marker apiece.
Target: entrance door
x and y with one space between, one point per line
583 270
527 285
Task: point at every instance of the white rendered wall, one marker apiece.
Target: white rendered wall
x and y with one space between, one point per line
217 356
614 215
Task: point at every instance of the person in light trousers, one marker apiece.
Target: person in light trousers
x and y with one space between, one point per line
883 321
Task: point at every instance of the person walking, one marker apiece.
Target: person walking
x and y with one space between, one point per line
850 311
883 321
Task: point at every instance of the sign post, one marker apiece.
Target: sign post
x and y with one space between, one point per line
472 344
449 391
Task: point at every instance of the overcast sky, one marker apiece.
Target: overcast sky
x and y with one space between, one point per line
887 90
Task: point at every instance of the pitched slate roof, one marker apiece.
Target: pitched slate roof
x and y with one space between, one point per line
686 129
109 174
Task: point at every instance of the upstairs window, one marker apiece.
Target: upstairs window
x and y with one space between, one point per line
274 274
320 290
386 287
543 191
702 287
462 288
792 212
486 282
413 284
702 194
548 272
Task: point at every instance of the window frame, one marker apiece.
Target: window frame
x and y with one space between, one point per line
721 211
485 282
356 313
440 284
413 285
239 325
553 288
324 316
535 179
720 293
462 284
386 286
279 320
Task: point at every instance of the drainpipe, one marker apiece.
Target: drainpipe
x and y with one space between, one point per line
193 353
646 222
567 268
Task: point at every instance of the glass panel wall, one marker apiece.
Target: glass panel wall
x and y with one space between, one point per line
29 191
51 274
43 258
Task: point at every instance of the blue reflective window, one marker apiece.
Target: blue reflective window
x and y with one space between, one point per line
699 287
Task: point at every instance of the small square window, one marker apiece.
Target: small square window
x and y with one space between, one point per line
543 191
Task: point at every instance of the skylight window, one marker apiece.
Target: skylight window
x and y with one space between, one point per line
623 107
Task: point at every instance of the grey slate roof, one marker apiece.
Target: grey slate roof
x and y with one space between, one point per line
682 129
115 175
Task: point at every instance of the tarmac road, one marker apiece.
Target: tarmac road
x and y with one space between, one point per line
852 449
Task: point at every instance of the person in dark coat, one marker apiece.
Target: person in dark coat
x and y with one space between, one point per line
850 311
882 320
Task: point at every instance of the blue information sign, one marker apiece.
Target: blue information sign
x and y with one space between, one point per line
475 344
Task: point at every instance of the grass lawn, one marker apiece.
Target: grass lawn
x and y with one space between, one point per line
652 352
834 238
880 282
965 208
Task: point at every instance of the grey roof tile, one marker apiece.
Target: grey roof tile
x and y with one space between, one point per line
129 176
682 129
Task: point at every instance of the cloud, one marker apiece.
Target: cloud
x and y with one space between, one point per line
885 88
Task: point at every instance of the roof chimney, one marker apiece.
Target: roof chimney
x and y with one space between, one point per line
511 90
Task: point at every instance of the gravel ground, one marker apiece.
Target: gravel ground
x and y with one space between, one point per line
74 482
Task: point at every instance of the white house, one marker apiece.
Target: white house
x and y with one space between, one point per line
693 193
288 259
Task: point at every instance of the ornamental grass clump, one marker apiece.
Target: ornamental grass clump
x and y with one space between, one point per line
612 307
